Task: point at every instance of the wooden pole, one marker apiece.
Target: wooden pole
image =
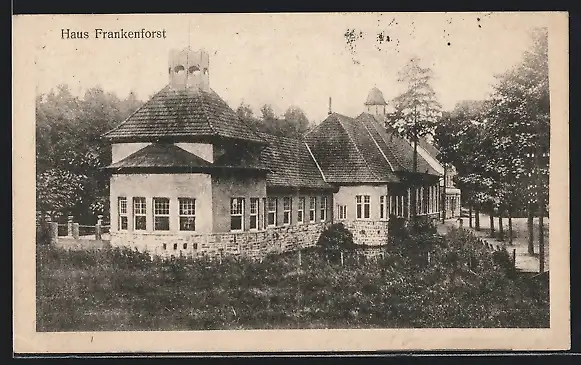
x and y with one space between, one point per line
531 242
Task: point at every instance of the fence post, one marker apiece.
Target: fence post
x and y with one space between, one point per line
70 226
341 258
514 258
76 231
98 227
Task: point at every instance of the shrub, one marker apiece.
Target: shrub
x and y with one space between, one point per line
397 228
423 225
336 237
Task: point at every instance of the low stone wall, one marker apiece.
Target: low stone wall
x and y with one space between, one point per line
69 243
369 233
248 244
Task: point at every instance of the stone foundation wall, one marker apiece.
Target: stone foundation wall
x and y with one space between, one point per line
370 233
248 244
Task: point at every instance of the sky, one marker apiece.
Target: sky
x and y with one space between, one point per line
289 59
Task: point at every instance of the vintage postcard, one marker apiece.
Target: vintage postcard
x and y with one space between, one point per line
291 182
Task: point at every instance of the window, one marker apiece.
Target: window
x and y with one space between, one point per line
271 214
382 207
342 212
237 214
161 214
187 214
139 214
393 205
323 209
366 206
301 211
363 203
254 213
286 210
312 208
122 206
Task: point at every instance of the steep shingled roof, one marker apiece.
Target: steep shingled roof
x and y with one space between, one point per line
290 164
346 152
394 145
361 150
182 113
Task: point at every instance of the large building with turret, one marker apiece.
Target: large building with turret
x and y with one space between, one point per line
188 177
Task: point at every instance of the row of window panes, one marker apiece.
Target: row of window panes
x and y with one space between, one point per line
187 214
390 205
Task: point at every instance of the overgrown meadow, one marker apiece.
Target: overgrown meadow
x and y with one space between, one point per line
450 281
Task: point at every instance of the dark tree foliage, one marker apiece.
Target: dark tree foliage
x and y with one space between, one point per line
70 154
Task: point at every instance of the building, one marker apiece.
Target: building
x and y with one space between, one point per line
376 105
452 193
189 178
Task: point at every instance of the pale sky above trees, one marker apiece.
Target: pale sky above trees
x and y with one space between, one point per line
290 59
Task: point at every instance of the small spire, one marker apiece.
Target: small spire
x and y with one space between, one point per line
330 110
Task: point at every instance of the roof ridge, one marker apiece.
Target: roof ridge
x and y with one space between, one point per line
377 145
203 104
135 111
394 154
357 149
316 163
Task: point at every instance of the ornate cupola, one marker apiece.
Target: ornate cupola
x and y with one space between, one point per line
189 69
375 103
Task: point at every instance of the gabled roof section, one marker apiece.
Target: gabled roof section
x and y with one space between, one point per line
158 155
397 149
183 113
346 153
290 164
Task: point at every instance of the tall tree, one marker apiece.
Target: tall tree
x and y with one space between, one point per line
416 112
70 152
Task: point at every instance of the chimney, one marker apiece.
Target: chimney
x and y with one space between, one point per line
330 110
189 69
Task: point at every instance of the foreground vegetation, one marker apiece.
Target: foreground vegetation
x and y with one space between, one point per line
458 284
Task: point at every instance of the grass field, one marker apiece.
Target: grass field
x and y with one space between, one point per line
116 289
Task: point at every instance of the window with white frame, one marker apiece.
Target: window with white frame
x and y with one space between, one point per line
323 215
301 211
237 214
254 209
122 213
363 204
286 210
392 205
342 212
139 214
312 208
366 206
161 214
271 212
382 207
187 214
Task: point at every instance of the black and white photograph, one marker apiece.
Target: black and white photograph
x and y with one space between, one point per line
306 174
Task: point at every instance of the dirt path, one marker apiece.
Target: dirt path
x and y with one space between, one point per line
524 261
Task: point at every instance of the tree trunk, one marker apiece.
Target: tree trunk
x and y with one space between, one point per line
470 216
510 224
444 197
415 170
531 230
477 217
491 221
500 226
